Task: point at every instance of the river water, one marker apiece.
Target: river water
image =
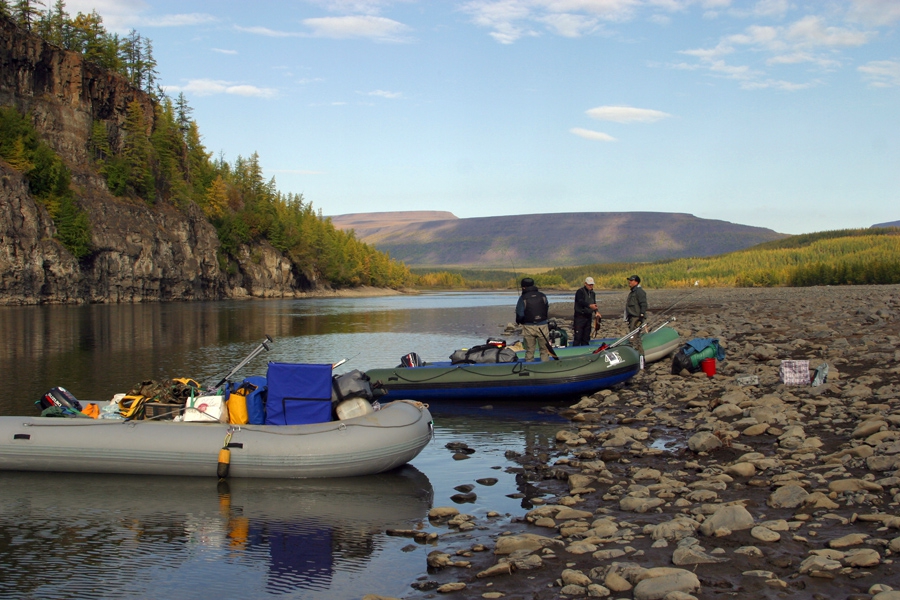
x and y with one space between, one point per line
83 536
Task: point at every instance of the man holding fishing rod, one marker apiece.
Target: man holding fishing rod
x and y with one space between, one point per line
532 313
635 313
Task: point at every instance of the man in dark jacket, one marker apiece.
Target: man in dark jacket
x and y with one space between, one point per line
532 314
585 309
636 312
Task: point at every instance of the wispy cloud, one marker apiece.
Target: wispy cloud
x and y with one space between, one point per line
385 94
875 12
589 134
178 20
807 40
265 31
511 20
356 7
627 114
379 29
209 87
223 51
123 15
881 73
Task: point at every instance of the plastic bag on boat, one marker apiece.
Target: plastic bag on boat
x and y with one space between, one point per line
247 401
354 384
111 410
485 353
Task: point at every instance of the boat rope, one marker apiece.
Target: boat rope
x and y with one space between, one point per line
271 429
517 367
336 426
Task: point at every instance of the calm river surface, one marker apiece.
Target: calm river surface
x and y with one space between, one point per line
78 536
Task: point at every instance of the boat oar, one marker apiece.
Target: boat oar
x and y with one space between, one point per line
263 346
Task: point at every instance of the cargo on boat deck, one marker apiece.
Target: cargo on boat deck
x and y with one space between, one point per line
298 393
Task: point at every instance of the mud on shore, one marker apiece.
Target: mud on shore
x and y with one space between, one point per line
683 486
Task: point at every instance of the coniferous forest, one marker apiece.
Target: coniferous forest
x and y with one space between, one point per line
171 165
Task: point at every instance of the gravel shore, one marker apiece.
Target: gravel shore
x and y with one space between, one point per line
681 486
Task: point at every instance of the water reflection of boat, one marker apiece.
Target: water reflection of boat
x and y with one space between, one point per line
569 377
276 536
364 445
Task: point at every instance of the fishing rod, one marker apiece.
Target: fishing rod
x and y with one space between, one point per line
344 360
629 335
263 346
682 299
549 345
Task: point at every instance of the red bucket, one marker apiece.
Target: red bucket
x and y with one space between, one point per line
708 365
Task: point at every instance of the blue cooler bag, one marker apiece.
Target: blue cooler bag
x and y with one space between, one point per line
298 394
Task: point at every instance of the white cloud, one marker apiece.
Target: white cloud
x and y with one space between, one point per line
626 114
209 87
364 7
811 31
122 15
178 20
376 28
592 135
569 25
881 73
267 32
511 20
875 12
223 51
386 94
807 40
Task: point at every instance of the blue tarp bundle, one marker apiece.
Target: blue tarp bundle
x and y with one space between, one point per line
698 345
298 393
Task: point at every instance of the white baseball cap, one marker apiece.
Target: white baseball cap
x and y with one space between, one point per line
589 280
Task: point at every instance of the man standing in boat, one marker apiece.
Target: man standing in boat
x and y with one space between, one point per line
635 313
532 314
585 311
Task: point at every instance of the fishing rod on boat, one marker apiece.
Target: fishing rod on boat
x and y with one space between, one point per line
263 346
549 345
344 360
629 335
682 299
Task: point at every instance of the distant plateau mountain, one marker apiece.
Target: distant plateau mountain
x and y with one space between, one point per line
439 239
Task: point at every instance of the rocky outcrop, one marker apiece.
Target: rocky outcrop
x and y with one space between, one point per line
141 253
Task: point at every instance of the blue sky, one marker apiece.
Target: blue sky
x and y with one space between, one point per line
774 113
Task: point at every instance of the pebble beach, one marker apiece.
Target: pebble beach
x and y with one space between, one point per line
680 485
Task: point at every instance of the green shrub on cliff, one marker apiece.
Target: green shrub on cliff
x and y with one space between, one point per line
48 179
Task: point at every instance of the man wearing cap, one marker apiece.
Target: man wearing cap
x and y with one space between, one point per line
585 308
635 312
532 311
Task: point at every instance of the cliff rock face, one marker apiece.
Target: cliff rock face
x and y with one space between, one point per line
142 253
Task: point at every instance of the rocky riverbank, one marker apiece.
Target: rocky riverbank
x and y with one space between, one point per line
682 486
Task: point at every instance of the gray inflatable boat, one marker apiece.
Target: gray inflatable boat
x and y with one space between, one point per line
364 445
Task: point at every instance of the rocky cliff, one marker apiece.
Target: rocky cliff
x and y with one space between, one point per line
141 253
